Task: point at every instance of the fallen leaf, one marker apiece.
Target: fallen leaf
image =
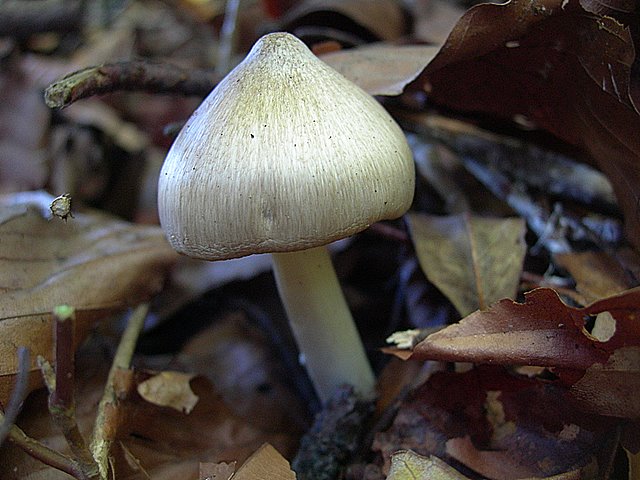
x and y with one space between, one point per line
603 376
560 67
596 274
496 464
381 69
499 424
408 465
474 261
217 471
92 262
169 389
265 463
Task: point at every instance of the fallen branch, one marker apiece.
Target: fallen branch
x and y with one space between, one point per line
129 76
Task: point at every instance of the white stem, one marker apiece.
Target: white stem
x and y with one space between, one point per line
321 322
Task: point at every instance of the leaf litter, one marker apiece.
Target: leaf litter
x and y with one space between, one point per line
536 65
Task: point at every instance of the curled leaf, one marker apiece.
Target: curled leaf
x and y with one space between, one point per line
169 389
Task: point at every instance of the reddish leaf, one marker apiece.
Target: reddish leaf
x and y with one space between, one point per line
515 426
544 331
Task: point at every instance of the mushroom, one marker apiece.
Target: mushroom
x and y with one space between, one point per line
285 156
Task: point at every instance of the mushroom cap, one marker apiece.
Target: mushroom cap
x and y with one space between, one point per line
284 154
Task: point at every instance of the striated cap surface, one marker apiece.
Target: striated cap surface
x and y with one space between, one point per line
284 154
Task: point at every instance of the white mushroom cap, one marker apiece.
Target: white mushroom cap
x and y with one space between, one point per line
284 154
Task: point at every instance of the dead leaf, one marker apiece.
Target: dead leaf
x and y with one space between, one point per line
265 463
544 331
408 465
563 68
381 69
474 261
170 389
94 263
596 274
499 424
217 471
496 464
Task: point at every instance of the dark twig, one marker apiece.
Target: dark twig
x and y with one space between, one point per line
21 19
62 405
18 395
44 454
131 76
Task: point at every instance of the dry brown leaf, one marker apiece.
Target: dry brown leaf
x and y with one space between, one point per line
497 465
474 261
603 376
560 67
217 471
265 463
596 274
91 262
514 426
381 69
169 389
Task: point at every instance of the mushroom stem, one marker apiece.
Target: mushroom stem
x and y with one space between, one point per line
322 323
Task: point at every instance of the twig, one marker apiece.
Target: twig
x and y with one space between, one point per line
18 395
21 19
131 76
105 427
44 454
62 405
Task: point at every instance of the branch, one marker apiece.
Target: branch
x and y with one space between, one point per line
129 76
62 402
105 429
46 455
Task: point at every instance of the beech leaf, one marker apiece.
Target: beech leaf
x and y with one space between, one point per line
604 376
596 274
381 69
474 261
92 262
